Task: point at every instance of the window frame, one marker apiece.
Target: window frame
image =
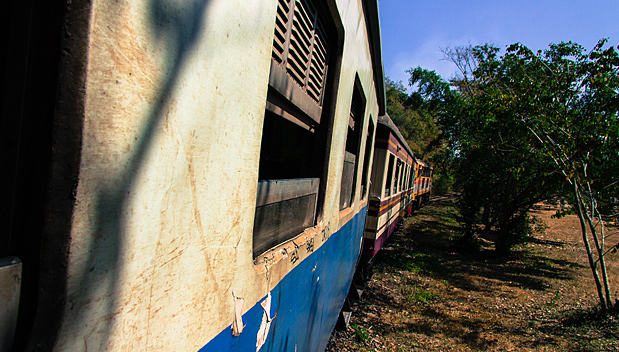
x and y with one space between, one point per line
369 146
388 175
352 147
287 100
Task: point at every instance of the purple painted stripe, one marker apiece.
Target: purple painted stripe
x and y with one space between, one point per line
384 236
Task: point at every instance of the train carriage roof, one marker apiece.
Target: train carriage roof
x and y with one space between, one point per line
386 121
370 9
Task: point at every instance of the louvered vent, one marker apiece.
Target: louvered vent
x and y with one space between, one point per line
300 45
281 28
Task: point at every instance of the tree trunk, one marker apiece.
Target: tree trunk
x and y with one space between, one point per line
599 246
585 239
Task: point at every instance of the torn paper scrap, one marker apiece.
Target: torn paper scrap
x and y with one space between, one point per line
263 332
237 323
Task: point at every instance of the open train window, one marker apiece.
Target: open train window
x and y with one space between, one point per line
353 144
396 178
366 159
304 68
389 177
401 176
406 177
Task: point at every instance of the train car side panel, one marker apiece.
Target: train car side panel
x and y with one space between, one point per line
393 192
304 292
170 112
156 236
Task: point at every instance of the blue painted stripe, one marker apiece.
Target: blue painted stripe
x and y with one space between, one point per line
307 302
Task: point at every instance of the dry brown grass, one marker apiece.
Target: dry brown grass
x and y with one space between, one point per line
426 295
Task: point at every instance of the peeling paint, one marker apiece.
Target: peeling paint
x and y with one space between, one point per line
265 325
237 323
298 248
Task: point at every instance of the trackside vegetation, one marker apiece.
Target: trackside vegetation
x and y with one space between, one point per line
516 127
427 294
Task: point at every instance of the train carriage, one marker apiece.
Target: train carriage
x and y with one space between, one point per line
391 190
186 176
423 184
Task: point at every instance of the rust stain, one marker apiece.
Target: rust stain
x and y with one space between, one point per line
194 190
169 114
302 246
129 51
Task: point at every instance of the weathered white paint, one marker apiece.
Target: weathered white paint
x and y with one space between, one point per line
162 229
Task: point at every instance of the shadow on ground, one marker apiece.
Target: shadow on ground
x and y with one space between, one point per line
434 253
426 246
429 295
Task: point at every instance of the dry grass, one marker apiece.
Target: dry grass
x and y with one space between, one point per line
426 295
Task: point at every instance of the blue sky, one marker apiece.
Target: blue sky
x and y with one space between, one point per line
413 31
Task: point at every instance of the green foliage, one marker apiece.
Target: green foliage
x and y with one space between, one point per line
513 128
422 296
561 100
430 86
522 123
417 120
417 124
527 126
562 212
443 181
360 332
415 294
553 302
417 117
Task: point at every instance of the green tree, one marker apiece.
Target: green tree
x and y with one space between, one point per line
568 100
417 122
536 124
485 150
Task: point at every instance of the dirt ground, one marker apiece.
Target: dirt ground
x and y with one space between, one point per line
425 295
